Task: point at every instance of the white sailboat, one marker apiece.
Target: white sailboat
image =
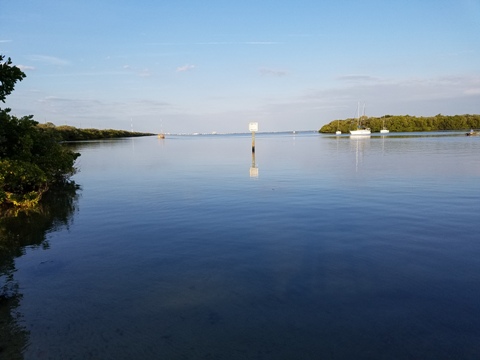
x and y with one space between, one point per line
384 130
338 132
360 130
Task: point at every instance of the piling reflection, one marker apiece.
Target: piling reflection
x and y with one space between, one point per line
253 168
20 229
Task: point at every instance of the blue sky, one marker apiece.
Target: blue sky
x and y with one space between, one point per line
189 66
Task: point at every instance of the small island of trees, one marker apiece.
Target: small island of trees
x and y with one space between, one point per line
406 123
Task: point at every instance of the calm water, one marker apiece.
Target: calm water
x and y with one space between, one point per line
331 248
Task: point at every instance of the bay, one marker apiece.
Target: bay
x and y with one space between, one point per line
331 247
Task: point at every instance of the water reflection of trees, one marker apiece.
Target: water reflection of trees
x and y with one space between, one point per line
20 229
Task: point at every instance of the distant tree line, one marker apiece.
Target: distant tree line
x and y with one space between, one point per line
406 123
70 133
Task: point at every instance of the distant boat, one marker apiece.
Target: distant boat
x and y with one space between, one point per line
471 133
162 134
384 130
360 130
338 132
366 131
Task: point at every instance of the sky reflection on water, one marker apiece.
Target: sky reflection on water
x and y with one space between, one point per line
341 248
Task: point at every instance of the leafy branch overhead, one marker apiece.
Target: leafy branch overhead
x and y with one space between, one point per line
9 75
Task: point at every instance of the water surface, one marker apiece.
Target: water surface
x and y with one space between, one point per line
331 248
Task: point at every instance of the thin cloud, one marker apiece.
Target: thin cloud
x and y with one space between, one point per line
75 108
473 91
261 43
140 72
357 78
215 43
185 68
145 73
272 72
25 67
300 35
238 43
51 60
387 96
83 74
5 41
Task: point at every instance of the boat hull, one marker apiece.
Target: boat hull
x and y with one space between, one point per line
360 132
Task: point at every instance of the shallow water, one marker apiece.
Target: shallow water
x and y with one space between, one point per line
339 248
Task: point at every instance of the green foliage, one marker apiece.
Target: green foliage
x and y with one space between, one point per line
9 75
70 133
22 182
407 123
55 159
15 135
31 158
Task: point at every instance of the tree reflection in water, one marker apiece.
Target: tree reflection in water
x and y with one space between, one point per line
20 229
